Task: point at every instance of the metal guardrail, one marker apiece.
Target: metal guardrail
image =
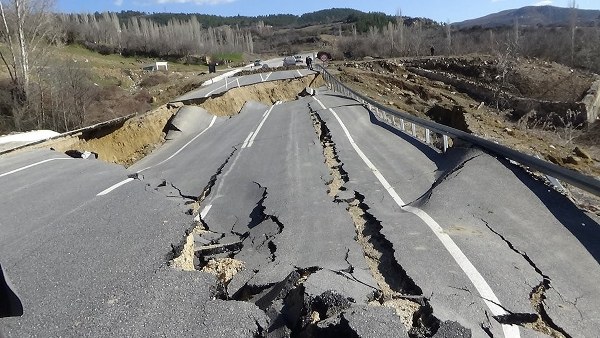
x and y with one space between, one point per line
114 121
585 182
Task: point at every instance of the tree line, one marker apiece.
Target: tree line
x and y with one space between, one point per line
37 95
570 44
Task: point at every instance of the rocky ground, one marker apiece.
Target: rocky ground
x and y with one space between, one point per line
483 95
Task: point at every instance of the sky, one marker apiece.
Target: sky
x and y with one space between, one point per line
438 10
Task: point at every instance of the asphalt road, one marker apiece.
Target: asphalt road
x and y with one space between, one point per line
222 86
332 215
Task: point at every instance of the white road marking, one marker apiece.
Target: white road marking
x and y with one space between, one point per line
298 70
202 215
212 91
106 191
468 268
238 81
32 165
261 78
266 78
265 117
183 147
205 211
247 139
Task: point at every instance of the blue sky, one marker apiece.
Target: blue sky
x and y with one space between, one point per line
439 10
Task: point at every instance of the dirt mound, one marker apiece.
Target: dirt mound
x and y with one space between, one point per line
530 78
131 140
454 117
390 83
232 101
123 144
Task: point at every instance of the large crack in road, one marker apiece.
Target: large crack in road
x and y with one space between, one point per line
396 289
539 321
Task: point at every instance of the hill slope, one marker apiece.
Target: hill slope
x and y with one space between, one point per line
534 15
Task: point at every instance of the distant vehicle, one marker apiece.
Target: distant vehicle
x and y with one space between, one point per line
265 66
289 61
257 63
298 58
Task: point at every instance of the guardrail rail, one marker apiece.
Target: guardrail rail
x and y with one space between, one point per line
432 131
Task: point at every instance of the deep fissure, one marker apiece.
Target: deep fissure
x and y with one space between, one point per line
397 289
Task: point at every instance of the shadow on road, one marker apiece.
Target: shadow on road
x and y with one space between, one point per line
583 227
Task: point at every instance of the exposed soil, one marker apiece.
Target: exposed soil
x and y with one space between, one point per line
391 83
231 102
135 138
124 144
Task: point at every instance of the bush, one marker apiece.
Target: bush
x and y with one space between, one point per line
154 80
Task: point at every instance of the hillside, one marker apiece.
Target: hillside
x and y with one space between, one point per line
326 16
533 16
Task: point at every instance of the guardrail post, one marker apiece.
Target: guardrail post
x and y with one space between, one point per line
402 125
414 129
445 143
394 121
427 136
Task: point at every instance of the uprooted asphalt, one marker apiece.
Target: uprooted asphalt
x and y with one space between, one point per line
289 231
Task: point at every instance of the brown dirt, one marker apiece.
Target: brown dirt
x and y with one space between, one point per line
130 142
232 101
224 268
390 83
127 143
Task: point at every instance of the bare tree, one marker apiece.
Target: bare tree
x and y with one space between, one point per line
573 27
448 29
26 26
400 25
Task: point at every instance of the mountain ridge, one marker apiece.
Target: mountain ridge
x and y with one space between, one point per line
533 16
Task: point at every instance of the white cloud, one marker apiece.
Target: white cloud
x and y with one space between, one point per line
196 2
119 3
543 3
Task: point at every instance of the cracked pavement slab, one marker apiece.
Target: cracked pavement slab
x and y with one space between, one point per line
298 238
534 226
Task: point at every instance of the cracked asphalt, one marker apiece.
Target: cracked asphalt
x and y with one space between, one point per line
306 221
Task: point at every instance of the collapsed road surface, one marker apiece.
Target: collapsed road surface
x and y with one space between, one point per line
307 218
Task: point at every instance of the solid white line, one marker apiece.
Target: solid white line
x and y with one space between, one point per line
106 191
184 146
32 165
266 78
261 78
468 268
266 116
247 139
214 90
238 81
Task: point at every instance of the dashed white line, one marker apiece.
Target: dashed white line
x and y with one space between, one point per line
115 186
203 213
106 191
461 259
214 90
32 165
265 117
247 139
298 70
183 147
